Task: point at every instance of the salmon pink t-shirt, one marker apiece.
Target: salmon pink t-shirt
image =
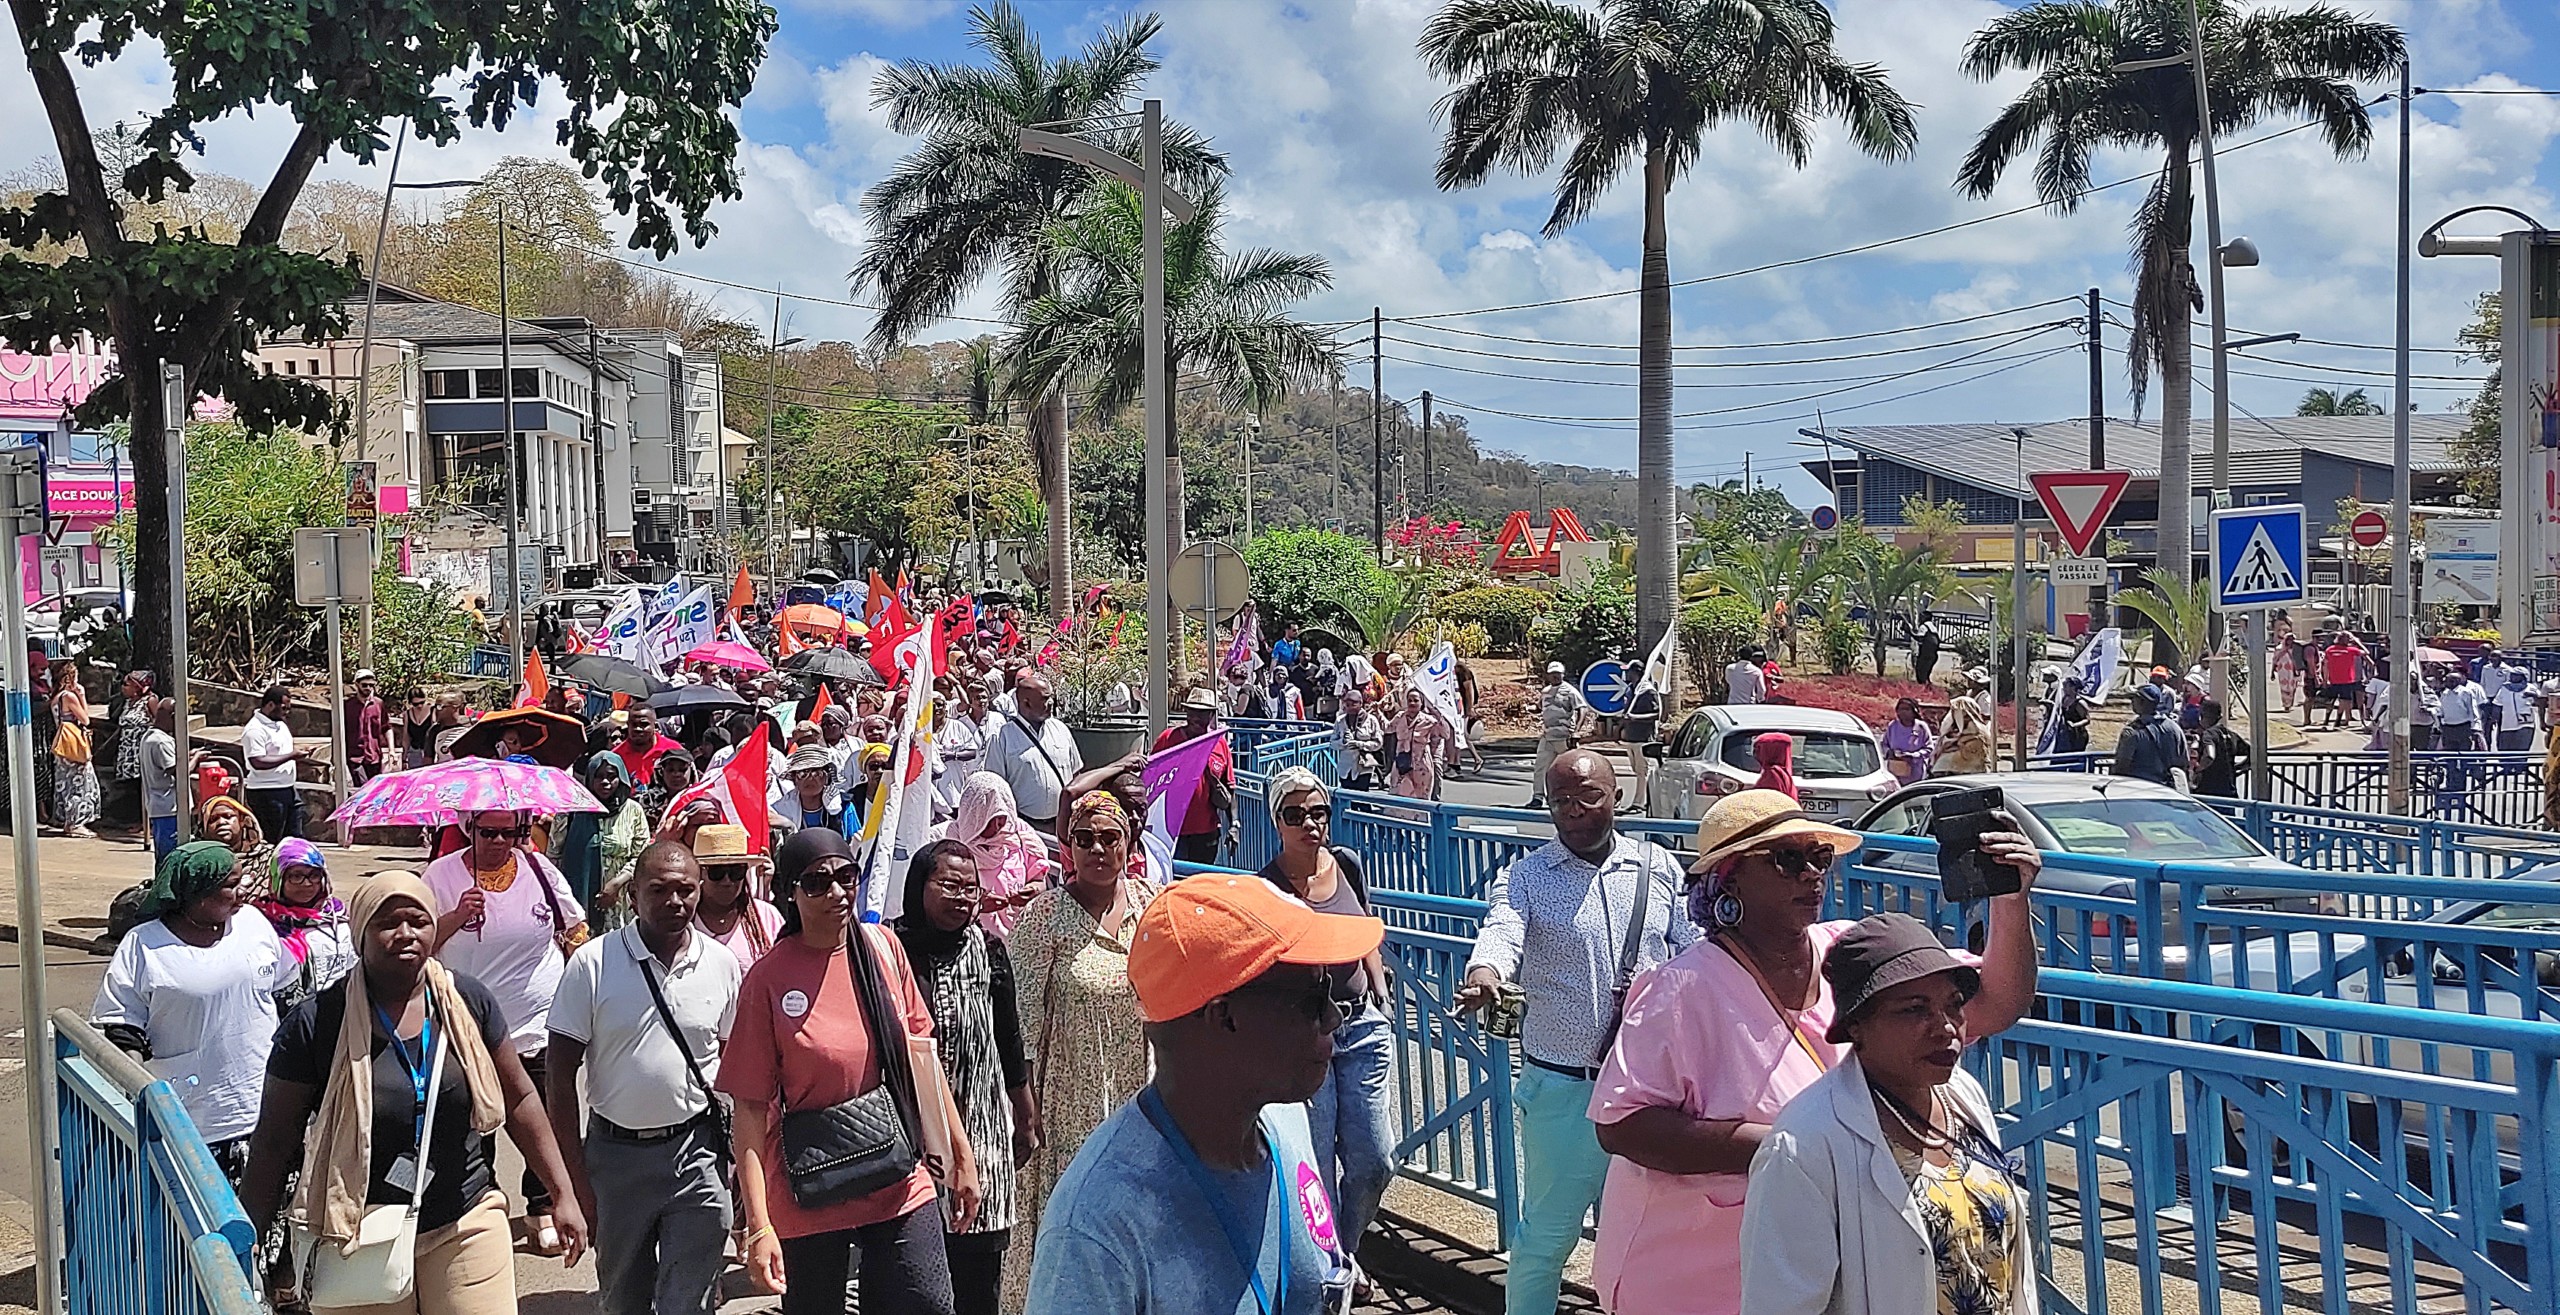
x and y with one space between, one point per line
800 1035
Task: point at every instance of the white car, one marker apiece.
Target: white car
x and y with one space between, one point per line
1839 766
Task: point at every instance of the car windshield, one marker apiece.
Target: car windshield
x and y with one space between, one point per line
2519 915
1819 754
2152 830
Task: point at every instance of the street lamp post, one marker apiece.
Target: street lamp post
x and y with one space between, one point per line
772 368
1146 174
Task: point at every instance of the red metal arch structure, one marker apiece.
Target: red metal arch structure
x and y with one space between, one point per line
1519 551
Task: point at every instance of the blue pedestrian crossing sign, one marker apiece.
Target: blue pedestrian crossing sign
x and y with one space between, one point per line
1607 686
2258 557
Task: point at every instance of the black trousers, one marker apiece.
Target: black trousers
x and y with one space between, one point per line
537 1198
278 809
902 1268
977 1270
1202 848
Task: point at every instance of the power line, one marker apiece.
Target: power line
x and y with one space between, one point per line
1744 346
2317 342
2017 332
1631 383
1863 247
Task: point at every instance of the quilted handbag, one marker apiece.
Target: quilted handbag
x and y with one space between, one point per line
858 1146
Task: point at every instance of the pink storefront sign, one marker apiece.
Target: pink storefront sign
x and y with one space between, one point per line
87 500
45 388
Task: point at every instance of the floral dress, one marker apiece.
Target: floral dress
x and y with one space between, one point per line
1084 1037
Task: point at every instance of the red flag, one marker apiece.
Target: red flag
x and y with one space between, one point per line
742 593
621 700
887 641
894 616
874 601
579 642
826 699
739 787
537 682
950 621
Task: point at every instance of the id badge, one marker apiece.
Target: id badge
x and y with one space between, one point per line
403 1176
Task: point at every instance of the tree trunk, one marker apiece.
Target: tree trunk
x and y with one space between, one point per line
153 542
1049 434
2177 379
1657 575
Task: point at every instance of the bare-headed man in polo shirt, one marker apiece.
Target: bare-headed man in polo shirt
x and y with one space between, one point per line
648 1164
1556 922
1034 752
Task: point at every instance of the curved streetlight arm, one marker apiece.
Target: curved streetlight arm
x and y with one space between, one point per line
2434 243
1076 150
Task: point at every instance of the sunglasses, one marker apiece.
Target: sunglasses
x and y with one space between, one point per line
1318 1002
818 881
1088 838
503 832
724 874
1301 814
1815 859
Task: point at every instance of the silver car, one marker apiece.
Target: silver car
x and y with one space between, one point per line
1839 766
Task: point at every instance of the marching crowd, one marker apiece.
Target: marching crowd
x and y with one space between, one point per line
1046 1073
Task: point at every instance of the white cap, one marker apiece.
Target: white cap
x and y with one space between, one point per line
366 674
1555 668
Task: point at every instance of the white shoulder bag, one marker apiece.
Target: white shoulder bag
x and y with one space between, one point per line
381 1265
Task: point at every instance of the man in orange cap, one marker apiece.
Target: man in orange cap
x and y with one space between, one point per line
1202 1194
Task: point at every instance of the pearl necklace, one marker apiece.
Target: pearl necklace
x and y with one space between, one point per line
1925 1132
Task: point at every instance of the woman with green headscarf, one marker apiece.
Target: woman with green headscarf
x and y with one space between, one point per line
597 852
191 993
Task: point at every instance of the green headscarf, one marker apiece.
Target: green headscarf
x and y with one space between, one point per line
188 874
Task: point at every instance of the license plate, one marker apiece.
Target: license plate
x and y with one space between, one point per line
1815 804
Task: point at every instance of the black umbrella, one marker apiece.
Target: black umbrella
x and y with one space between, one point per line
690 700
831 664
821 575
611 674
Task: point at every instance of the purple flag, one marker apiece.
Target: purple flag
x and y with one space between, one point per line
1173 777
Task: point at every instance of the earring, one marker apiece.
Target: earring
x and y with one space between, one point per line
1725 912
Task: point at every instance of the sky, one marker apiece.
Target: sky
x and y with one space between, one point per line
1327 117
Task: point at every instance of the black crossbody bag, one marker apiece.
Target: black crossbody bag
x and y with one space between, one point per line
717 1113
858 1146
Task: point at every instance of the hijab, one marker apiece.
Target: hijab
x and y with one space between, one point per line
189 873
985 797
925 942
581 834
1776 754
252 837
337 1166
294 923
793 857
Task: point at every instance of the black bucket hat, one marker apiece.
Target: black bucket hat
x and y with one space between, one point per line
1882 952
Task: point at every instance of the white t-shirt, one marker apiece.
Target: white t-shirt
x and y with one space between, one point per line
511 952
2458 706
2515 707
210 1012
1744 683
962 747
635 1075
265 737
1037 781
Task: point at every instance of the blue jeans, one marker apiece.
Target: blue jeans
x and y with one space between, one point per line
1352 1127
164 837
1562 1169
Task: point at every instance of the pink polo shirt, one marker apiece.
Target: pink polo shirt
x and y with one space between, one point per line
1701 1037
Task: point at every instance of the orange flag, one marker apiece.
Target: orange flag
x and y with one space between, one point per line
877 599
742 595
826 699
621 700
537 682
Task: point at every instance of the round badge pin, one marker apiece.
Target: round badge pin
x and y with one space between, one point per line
795 1003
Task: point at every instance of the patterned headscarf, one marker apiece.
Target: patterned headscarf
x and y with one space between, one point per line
1098 806
188 874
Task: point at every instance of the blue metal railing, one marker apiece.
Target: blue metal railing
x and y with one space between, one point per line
150 1226
2487 789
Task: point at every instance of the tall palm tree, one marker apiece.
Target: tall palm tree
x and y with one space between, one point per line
2259 64
968 201
2334 402
1639 83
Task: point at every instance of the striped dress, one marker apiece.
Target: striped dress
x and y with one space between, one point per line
967 981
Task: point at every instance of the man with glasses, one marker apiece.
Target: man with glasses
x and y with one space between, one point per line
1571 924
642 1013
1201 1194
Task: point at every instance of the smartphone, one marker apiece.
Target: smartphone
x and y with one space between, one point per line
1958 820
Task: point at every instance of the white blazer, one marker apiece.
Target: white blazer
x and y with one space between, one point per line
1829 1226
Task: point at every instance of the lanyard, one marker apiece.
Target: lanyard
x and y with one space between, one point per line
1248 1251
417 1071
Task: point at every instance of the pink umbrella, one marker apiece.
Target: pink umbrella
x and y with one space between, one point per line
444 792
731 654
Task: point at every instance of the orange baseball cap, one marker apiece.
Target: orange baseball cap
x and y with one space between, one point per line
1209 934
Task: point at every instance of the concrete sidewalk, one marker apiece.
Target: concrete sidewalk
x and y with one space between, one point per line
78 879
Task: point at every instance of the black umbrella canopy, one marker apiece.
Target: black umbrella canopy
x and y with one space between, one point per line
697 699
831 664
611 674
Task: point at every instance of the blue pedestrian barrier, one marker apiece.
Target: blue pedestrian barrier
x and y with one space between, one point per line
150 1226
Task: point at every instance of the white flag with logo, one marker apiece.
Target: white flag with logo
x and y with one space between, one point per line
694 623
1657 665
669 597
2099 661
621 634
1438 681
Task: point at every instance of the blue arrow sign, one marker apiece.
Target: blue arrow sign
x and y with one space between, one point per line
1608 685
2258 557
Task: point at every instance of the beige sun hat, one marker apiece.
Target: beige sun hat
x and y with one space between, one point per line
1748 819
722 842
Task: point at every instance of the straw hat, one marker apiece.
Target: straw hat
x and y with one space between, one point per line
1751 818
721 842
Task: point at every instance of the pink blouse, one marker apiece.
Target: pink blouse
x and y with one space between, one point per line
1701 1037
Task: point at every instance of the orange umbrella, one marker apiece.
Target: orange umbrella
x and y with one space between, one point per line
818 619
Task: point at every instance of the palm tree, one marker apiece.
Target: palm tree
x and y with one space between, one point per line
2178 609
968 201
1226 315
2331 402
2259 63
1889 581
1638 83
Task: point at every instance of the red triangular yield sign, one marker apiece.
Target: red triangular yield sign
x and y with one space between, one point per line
2079 501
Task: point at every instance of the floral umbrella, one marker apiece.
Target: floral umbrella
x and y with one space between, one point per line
731 654
445 792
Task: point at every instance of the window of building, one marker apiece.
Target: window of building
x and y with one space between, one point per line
484 383
288 367
315 367
528 382
468 468
443 384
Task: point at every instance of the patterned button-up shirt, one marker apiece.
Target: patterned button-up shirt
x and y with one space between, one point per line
1557 925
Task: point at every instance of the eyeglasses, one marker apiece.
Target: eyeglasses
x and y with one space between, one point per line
1815 859
818 881
1088 838
1592 802
1301 814
503 832
955 890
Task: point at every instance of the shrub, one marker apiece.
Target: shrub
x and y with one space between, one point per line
1307 575
1467 638
1504 612
1840 638
1713 631
1589 622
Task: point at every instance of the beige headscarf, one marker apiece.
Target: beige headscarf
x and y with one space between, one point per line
337 1158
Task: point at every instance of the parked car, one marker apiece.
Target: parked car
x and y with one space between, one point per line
2068 813
1839 766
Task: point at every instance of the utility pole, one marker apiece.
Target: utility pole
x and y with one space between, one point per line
1426 448
26 515
2404 585
1377 432
2218 664
174 399
1336 518
1746 471
772 366
2101 615
513 452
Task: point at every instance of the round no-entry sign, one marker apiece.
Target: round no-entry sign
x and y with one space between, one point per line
2369 529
